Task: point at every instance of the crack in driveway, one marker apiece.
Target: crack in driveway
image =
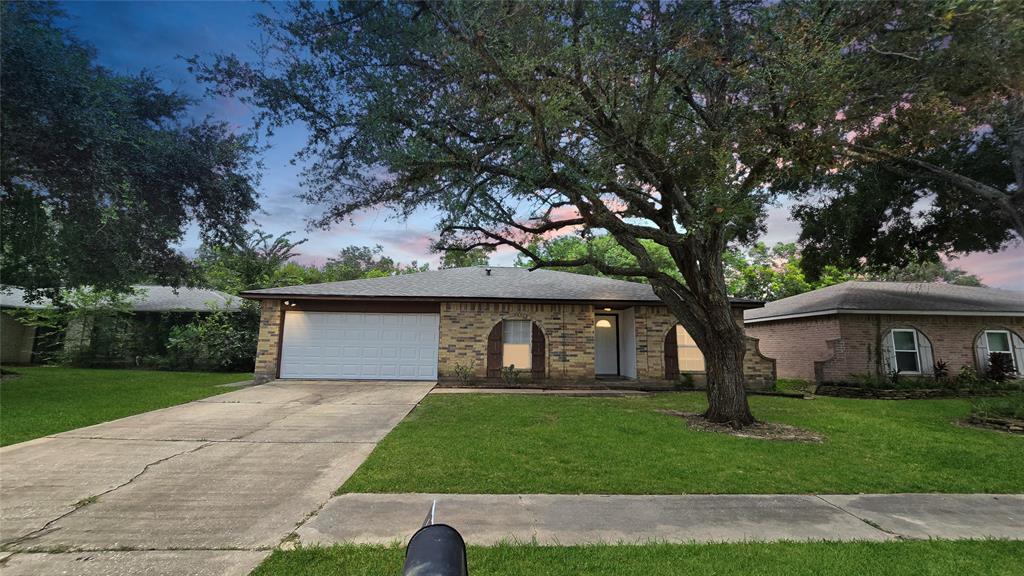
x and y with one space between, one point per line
93 498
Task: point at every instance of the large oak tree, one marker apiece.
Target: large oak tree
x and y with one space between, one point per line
655 122
932 155
101 173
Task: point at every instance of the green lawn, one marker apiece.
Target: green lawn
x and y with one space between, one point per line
477 443
922 558
47 400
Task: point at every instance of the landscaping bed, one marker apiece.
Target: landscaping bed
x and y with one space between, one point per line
852 391
1005 414
923 558
511 444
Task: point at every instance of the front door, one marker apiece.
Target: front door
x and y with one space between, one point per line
606 344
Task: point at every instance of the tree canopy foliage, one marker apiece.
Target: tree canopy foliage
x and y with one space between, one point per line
464 258
100 173
931 158
259 259
760 272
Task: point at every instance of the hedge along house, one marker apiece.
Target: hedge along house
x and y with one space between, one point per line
873 329
103 338
548 325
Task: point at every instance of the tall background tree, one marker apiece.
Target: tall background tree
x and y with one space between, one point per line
930 140
465 258
101 173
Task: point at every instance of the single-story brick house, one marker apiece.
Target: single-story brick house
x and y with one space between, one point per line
431 325
152 310
857 329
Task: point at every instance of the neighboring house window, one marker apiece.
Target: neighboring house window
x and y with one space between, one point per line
517 343
907 351
690 357
1000 342
908 356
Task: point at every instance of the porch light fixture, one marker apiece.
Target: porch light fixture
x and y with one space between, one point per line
603 324
607 309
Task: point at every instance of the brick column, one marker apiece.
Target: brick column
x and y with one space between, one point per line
268 347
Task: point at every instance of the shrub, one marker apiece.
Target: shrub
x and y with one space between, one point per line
510 376
465 373
794 385
686 382
1000 367
221 340
970 379
941 371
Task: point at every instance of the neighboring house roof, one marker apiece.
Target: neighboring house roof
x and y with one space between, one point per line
475 283
893 298
149 299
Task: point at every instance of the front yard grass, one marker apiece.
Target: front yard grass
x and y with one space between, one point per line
922 558
488 443
45 400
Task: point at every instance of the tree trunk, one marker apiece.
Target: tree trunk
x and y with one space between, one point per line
723 361
722 341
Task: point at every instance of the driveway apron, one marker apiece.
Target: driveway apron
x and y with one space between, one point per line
207 487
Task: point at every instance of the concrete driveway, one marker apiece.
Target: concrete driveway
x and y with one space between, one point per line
207 487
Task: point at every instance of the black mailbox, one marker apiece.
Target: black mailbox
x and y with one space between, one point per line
436 550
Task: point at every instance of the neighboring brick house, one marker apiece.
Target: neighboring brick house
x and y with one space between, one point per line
434 325
857 329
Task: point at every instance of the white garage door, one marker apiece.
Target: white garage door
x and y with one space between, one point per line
371 346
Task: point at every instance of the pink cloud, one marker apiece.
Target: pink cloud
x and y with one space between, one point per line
1003 269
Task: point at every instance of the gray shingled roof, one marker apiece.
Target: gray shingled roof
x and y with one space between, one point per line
474 283
906 297
150 299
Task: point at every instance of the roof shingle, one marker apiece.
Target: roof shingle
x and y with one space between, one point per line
148 299
912 297
511 283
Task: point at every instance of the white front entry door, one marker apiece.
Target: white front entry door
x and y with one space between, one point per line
359 346
606 345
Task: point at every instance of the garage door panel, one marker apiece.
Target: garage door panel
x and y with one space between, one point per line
359 345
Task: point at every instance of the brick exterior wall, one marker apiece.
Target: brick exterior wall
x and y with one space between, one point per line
568 332
568 335
653 324
268 346
796 344
848 344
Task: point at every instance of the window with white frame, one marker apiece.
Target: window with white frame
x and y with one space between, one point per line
906 353
999 342
517 344
690 357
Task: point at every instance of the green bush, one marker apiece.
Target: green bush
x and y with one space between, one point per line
465 373
1000 367
221 340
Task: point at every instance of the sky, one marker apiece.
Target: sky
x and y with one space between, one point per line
133 36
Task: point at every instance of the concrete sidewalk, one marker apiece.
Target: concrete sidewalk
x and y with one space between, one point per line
571 519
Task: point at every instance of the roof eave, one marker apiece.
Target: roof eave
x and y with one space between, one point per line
833 311
744 304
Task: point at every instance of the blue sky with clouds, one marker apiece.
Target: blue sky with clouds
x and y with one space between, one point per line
154 36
